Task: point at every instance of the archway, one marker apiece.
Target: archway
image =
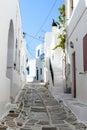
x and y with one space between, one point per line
10 55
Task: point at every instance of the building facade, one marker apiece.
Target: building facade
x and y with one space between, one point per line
35 66
40 63
76 47
31 70
12 50
53 60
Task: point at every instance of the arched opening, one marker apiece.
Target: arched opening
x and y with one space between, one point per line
10 54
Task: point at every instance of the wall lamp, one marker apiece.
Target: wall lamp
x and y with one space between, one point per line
71 44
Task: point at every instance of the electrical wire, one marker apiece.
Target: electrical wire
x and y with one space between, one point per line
32 36
30 52
32 57
33 50
45 19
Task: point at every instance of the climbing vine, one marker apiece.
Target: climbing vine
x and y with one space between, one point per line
61 26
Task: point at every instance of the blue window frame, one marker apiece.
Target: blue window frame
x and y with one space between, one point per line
42 56
38 52
28 70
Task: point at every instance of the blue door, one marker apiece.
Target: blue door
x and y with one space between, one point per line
37 74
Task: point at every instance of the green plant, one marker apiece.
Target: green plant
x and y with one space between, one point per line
61 26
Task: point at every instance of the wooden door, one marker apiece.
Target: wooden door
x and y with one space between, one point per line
74 73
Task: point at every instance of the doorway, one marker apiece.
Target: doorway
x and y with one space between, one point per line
37 72
74 73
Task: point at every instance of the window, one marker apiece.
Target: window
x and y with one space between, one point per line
38 52
42 56
40 71
28 70
85 52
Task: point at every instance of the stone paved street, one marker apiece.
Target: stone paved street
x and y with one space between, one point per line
36 109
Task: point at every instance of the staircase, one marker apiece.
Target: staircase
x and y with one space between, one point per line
58 79
58 72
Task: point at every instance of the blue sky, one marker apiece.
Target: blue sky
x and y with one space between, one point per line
37 16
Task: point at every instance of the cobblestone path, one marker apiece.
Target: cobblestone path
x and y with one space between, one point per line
36 109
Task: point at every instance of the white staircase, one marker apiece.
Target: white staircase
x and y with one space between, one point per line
58 79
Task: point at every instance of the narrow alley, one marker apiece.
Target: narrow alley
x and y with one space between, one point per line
35 108
43 65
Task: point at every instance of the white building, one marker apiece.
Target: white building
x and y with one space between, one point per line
77 47
35 67
23 56
12 52
31 70
53 60
40 63
76 56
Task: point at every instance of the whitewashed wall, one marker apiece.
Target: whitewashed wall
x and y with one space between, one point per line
48 39
23 56
55 56
40 62
32 70
41 48
9 14
76 31
70 8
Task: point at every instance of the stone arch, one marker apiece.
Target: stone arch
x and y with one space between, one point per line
10 53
